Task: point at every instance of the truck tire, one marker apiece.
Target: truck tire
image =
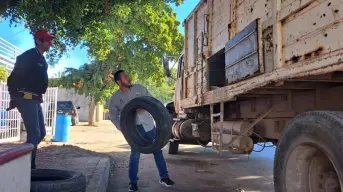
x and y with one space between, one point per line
173 147
50 180
309 154
162 120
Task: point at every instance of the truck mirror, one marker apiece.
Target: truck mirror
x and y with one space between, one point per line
165 62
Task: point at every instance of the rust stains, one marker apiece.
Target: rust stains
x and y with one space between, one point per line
268 42
314 53
307 56
318 51
297 12
302 8
293 59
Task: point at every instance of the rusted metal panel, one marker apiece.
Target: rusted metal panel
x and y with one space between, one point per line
220 22
178 95
320 34
314 48
249 10
190 44
191 101
317 16
322 65
191 80
291 6
200 14
242 57
268 49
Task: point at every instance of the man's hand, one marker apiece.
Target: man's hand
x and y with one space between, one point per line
13 104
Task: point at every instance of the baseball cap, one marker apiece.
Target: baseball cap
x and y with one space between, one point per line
43 34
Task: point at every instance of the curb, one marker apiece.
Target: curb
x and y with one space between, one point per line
99 180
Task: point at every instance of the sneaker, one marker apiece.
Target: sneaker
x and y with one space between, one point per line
133 187
167 182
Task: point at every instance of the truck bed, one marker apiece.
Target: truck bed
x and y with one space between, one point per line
295 39
322 65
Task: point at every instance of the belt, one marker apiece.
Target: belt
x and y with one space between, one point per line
27 95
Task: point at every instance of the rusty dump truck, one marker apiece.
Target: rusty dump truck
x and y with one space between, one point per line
266 71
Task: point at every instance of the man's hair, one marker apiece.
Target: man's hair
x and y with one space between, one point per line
35 41
117 75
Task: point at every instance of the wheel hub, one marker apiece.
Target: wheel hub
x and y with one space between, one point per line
312 171
330 182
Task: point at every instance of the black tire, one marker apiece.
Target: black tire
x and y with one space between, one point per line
173 148
162 120
310 149
51 180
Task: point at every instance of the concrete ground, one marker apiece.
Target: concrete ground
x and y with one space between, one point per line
193 169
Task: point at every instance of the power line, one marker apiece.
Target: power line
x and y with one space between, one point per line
15 34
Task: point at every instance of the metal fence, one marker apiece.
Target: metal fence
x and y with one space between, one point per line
8 54
49 110
10 121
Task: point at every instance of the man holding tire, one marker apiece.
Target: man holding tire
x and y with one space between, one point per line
145 125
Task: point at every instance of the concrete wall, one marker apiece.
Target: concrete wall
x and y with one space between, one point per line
16 175
78 100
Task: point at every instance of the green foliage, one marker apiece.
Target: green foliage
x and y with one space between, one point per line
90 79
55 82
136 37
119 34
164 91
75 22
3 74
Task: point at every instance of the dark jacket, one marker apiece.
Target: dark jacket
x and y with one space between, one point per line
30 73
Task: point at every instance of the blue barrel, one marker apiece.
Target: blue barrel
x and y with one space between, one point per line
3 116
62 128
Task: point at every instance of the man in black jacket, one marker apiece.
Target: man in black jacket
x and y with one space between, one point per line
26 85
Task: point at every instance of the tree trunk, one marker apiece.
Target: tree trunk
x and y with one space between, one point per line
91 116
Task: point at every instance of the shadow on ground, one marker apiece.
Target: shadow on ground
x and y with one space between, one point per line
193 169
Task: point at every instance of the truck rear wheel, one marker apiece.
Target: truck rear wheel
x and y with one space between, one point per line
309 154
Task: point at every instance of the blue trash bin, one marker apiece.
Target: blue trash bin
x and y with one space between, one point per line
3 116
62 128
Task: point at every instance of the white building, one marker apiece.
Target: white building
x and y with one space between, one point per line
8 54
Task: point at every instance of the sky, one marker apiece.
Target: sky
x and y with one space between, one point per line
21 38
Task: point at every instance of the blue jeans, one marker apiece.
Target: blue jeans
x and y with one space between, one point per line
158 155
31 112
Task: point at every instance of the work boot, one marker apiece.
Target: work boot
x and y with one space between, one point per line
133 187
167 182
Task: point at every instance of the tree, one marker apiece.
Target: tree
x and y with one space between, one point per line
3 74
131 35
70 21
91 80
163 92
55 82
136 37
